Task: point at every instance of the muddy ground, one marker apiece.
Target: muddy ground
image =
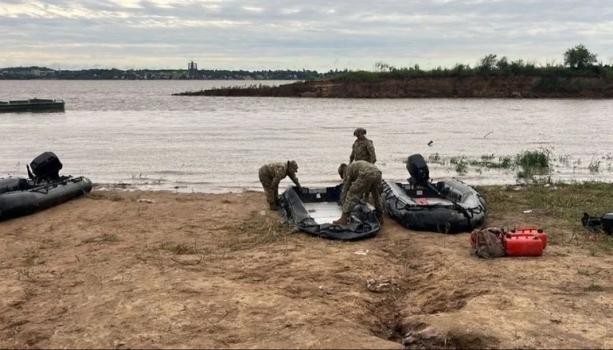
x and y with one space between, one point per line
156 269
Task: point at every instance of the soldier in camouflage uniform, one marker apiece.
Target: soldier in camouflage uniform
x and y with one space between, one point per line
360 179
363 148
272 174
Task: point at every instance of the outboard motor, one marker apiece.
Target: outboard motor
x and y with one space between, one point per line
45 167
418 169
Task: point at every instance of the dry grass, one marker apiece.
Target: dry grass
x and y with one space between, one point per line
258 229
103 238
182 248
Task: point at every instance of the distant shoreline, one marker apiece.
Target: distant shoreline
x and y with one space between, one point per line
44 73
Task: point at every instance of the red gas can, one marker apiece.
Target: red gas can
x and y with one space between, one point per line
530 231
523 245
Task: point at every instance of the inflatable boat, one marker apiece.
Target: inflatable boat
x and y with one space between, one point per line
44 189
312 210
448 206
32 105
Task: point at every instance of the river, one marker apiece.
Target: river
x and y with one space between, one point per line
134 133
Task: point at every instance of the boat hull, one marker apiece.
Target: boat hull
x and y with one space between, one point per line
462 209
20 201
32 106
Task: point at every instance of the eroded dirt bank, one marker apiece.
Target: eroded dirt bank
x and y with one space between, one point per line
437 87
154 269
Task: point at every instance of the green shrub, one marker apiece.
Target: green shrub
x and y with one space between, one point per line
533 163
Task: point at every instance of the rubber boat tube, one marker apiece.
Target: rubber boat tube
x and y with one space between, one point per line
448 206
312 210
20 197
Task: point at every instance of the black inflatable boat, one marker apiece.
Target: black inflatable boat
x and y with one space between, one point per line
312 210
44 189
448 206
32 105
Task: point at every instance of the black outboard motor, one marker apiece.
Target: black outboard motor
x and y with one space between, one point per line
45 167
418 169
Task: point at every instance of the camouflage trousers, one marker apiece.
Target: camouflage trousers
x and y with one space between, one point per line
272 193
367 183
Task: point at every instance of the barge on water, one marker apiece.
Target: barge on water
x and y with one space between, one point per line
32 105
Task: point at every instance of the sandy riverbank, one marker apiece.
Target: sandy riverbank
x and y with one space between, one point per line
158 269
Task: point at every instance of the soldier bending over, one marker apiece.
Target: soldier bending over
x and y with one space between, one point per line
360 178
272 174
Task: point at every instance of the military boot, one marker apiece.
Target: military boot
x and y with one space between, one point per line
380 218
343 220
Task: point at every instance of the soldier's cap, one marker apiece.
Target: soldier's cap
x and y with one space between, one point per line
359 131
292 166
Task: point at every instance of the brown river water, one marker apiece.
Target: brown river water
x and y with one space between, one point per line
135 133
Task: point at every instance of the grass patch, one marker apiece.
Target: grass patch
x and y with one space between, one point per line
31 256
593 288
259 229
435 159
594 166
26 275
489 161
562 204
461 167
103 238
182 248
533 164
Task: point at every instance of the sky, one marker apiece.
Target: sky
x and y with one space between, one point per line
297 34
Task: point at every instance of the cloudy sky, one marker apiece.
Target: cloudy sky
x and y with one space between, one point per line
312 34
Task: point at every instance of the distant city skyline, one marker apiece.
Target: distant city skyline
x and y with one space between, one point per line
291 34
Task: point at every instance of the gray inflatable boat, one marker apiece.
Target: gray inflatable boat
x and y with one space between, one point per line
448 206
21 197
45 188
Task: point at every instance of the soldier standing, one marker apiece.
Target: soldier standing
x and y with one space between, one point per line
363 148
272 174
360 179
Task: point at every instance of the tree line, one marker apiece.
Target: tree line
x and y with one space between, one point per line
578 62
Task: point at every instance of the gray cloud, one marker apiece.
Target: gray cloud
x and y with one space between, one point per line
296 34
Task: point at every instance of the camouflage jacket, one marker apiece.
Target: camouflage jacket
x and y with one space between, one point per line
363 150
354 170
277 172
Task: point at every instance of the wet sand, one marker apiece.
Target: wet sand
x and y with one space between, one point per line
159 269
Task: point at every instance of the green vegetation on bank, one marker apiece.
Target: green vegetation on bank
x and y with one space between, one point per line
563 204
578 62
528 166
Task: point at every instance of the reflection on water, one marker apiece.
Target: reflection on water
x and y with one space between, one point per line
135 132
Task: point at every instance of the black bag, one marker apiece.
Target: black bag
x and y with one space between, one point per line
607 223
417 167
46 166
595 223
